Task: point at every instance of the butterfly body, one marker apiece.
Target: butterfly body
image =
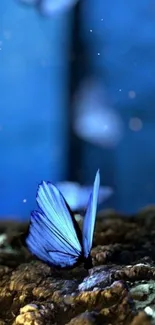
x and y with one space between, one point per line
54 235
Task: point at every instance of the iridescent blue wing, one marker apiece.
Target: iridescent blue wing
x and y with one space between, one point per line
53 233
89 219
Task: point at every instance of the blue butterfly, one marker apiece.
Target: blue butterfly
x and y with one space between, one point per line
54 234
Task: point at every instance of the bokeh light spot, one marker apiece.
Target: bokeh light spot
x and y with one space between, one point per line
135 124
131 94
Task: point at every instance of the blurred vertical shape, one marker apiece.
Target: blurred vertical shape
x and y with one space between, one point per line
120 38
78 69
33 104
88 157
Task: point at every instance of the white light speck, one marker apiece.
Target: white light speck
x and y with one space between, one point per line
135 124
98 53
90 30
101 19
24 201
120 90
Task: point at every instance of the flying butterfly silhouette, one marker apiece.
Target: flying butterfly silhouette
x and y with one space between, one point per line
77 195
54 234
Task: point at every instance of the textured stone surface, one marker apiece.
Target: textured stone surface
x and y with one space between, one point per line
118 290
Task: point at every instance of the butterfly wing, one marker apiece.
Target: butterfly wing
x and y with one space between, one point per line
52 234
89 219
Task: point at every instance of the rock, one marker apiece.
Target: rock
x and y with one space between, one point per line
87 318
119 289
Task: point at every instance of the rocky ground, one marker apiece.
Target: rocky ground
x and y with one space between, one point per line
118 290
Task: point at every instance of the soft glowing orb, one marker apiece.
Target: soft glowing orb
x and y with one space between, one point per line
135 124
94 120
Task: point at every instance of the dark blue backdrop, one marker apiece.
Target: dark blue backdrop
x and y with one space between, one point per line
34 91
124 34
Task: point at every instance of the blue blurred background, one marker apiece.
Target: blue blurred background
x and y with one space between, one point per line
77 93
